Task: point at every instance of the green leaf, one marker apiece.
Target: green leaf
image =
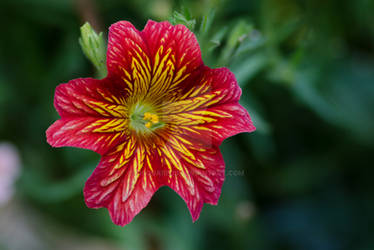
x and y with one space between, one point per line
237 35
185 19
254 108
252 42
216 41
239 32
38 187
262 126
246 69
206 23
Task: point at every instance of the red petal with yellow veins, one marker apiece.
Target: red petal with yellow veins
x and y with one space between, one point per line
97 134
123 182
93 115
197 176
127 57
215 126
90 97
209 111
175 54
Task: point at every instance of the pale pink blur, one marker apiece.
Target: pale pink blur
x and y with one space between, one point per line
9 171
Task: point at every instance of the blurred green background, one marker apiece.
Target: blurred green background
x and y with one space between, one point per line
303 180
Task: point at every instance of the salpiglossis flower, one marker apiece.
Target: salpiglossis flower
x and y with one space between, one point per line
157 119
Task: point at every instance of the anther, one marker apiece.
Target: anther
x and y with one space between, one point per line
150 118
148 125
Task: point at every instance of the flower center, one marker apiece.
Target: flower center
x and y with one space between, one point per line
143 119
151 119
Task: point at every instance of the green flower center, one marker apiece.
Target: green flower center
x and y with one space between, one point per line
143 119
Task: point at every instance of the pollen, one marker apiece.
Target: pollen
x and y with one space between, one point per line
150 118
148 125
144 119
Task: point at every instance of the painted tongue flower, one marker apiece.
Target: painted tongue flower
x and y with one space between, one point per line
157 119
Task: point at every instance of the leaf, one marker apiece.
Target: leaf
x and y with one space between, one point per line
346 101
254 109
185 19
206 23
246 69
216 41
39 188
238 33
252 42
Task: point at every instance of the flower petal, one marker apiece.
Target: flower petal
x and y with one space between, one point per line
122 182
127 57
92 115
210 110
175 54
97 134
154 61
90 97
196 173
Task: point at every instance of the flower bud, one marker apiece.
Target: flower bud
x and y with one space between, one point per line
93 46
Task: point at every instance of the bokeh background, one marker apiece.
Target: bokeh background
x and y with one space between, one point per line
303 180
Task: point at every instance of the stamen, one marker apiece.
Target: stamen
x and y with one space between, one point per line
147 116
143 120
154 118
151 119
148 124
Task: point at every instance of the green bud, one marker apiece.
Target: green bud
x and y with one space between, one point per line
93 46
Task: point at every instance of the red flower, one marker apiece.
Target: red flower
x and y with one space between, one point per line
157 119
